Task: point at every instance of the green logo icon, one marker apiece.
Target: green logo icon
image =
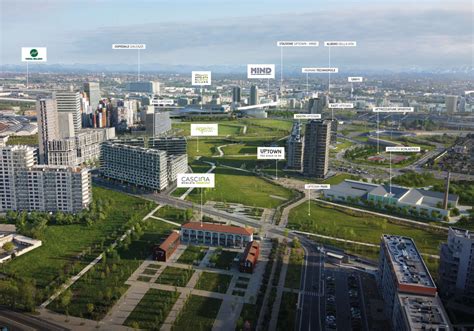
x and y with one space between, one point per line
34 52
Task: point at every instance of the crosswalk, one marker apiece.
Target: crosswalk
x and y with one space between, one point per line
311 293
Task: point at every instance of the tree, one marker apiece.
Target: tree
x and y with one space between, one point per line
66 300
9 246
90 308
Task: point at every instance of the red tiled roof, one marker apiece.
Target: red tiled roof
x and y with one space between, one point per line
217 228
168 241
251 252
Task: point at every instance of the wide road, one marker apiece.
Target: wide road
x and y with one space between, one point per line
310 314
21 321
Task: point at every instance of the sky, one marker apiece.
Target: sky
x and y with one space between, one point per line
393 35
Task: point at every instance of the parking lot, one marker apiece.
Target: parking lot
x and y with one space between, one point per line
348 295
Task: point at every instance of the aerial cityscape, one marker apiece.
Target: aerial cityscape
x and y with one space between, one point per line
249 166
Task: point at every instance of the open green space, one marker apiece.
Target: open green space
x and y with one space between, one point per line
198 314
242 187
174 214
361 227
293 274
98 290
145 279
287 313
213 282
248 316
223 259
175 276
341 145
361 155
339 178
414 179
149 272
225 128
151 311
66 249
192 255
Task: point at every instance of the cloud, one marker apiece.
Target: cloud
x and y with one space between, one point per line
388 37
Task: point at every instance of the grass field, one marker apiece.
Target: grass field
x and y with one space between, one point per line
364 228
213 282
287 313
175 276
293 274
104 284
223 259
339 178
248 314
192 254
172 214
198 314
151 311
245 188
55 259
225 128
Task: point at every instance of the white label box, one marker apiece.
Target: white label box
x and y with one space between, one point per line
206 130
260 71
34 54
196 180
162 102
307 116
319 70
393 109
403 149
128 46
271 153
355 79
317 186
340 43
201 78
298 43
340 105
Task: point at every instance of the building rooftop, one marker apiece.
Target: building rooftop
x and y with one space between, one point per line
463 233
424 313
407 264
250 253
217 228
174 235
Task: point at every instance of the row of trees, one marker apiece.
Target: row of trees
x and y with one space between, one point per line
33 224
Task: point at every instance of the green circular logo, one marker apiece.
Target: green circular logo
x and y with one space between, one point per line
34 52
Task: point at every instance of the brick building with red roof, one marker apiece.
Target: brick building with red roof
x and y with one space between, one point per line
215 234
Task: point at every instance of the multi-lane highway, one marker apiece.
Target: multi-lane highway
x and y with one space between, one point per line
310 314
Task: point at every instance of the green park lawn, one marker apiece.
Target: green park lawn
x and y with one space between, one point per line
50 264
339 178
192 254
104 284
293 275
173 214
198 314
175 276
241 187
152 310
223 259
225 128
213 282
287 313
366 228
